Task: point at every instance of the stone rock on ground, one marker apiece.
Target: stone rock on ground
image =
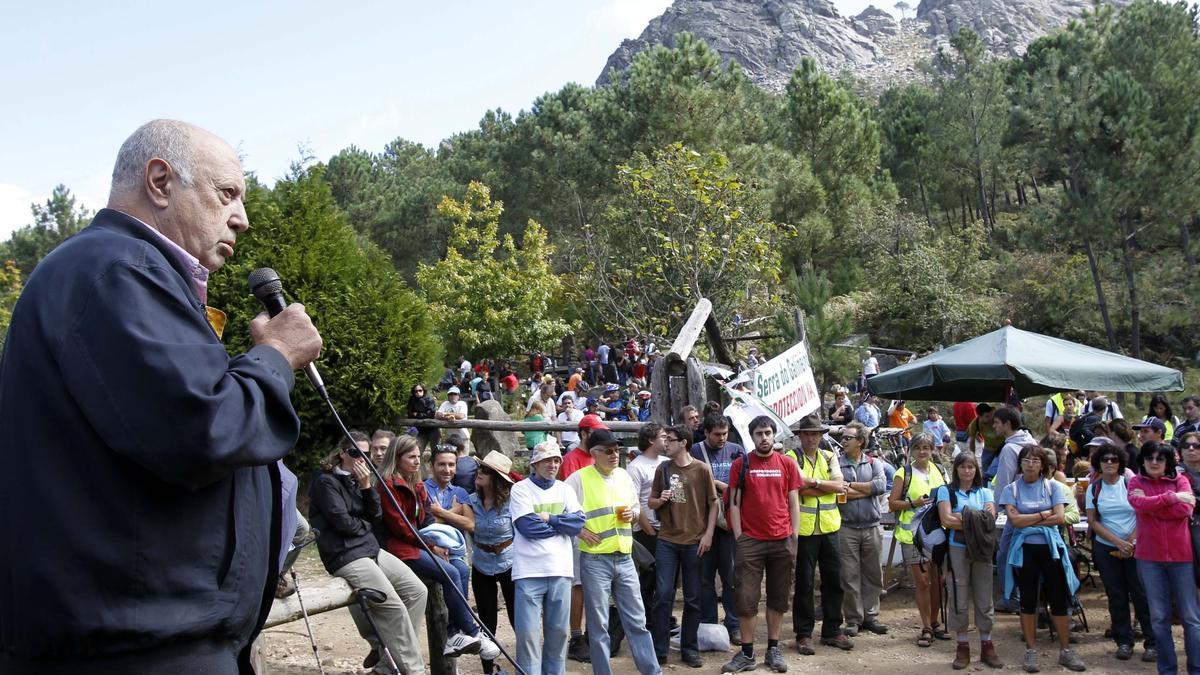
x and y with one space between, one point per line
486 440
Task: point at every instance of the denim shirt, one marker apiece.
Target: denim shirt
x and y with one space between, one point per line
491 528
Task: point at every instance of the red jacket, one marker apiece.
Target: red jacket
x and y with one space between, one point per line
402 542
1162 520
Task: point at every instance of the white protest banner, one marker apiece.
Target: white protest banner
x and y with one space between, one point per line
786 384
747 406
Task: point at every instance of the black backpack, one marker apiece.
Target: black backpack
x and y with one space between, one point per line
1083 429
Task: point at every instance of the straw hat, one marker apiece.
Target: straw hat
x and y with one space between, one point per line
500 463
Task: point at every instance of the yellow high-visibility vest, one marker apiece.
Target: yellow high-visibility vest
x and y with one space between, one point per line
917 487
818 515
600 499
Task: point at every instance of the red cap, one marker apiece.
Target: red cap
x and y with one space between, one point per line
592 422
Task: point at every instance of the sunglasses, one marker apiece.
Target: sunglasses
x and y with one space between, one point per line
614 450
1156 459
1190 446
1110 459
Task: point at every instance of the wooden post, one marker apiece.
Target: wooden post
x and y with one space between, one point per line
712 331
661 410
437 620
798 318
682 348
511 425
696 393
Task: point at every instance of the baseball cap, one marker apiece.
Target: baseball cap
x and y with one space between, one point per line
592 422
1151 423
453 390
602 437
611 387
545 450
1098 441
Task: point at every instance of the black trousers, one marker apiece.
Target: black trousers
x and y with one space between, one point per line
819 551
486 598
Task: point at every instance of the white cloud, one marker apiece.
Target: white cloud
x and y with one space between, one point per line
14 209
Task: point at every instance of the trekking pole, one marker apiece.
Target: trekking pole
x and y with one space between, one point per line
376 596
307 626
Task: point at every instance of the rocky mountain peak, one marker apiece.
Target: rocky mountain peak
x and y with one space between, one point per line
768 38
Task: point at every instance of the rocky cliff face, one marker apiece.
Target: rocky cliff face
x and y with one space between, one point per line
769 37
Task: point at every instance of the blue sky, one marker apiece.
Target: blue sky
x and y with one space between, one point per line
270 77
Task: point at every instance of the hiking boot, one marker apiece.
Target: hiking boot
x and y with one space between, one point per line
1150 655
804 646
988 655
840 641
874 626
1068 659
461 643
774 660
692 659
850 630
1031 661
371 660
578 650
962 656
739 663
1124 652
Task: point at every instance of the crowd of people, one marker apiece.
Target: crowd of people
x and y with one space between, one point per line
602 538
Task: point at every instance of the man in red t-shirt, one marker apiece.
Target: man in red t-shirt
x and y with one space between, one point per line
769 488
964 412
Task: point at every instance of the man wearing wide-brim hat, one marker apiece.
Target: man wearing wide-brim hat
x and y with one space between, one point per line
817 543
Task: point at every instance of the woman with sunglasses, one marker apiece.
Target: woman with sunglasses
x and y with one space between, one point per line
492 530
1114 531
1038 557
421 406
1163 501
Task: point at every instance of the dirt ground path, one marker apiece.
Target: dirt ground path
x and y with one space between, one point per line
287 649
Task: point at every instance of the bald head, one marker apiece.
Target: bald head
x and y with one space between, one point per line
184 182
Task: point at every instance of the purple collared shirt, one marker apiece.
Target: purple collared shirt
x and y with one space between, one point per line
199 272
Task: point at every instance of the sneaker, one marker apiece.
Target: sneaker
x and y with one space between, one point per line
578 650
692 659
774 660
1031 661
850 630
461 643
840 641
874 627
804 646
1124 652
1150 655
1068 659
488 650
739 663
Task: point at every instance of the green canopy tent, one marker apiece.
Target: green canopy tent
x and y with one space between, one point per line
984 368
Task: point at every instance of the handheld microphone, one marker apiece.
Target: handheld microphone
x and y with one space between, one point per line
265 285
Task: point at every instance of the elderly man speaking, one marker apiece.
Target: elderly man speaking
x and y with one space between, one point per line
143 535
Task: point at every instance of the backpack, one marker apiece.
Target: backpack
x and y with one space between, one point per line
929 536
1083 430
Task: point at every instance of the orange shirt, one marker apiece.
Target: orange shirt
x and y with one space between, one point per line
902 419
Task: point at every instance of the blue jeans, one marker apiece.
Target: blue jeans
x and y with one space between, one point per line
1163 582
669 558
1121 584
541 624
612 575
460 614
719 560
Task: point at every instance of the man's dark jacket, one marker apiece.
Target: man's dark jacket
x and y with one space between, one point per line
140 501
